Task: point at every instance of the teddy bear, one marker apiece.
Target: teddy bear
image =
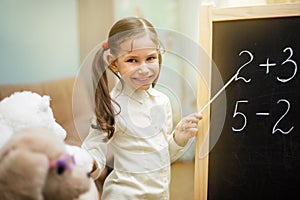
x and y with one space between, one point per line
27 109
35 165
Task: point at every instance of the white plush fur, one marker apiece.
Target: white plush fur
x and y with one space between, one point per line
26 109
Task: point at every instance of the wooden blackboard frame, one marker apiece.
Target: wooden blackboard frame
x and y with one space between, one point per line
209 15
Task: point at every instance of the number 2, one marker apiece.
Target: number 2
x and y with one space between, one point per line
276 124
250 60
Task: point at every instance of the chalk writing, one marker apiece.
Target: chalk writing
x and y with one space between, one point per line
286 63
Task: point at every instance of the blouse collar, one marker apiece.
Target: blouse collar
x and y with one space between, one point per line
138 95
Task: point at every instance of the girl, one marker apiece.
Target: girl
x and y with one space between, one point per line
134 121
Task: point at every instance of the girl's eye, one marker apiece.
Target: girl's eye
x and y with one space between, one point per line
131 60
151 58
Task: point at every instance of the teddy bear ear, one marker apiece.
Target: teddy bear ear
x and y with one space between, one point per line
44 104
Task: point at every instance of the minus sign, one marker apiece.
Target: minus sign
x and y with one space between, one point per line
265 114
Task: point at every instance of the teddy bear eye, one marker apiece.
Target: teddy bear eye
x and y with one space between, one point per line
60 169
65 162
61 166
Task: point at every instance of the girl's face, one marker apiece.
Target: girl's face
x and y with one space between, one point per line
139 65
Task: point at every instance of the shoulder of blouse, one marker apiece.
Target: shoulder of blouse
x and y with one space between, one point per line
94 132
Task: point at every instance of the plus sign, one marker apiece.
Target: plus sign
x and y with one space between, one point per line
267 65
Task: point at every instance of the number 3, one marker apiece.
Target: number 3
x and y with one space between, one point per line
288 61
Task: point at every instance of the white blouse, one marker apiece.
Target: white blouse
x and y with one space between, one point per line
142 146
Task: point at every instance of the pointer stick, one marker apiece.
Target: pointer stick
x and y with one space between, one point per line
219 92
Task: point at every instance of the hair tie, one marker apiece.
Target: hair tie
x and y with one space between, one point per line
105 46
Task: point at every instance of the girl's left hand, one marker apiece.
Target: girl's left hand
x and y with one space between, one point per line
187 128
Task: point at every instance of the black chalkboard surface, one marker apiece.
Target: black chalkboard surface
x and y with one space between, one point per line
258 153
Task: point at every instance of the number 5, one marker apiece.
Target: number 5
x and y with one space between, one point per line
236 113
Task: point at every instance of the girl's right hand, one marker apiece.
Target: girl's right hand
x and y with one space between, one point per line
187 128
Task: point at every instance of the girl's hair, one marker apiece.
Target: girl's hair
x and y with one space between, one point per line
122 30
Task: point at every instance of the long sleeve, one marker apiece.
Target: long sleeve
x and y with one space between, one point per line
175 150
96 144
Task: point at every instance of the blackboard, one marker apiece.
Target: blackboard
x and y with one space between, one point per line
257 155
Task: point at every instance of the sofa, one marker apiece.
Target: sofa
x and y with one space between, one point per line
75 120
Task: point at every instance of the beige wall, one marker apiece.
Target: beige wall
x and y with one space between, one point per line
95 17
39 40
